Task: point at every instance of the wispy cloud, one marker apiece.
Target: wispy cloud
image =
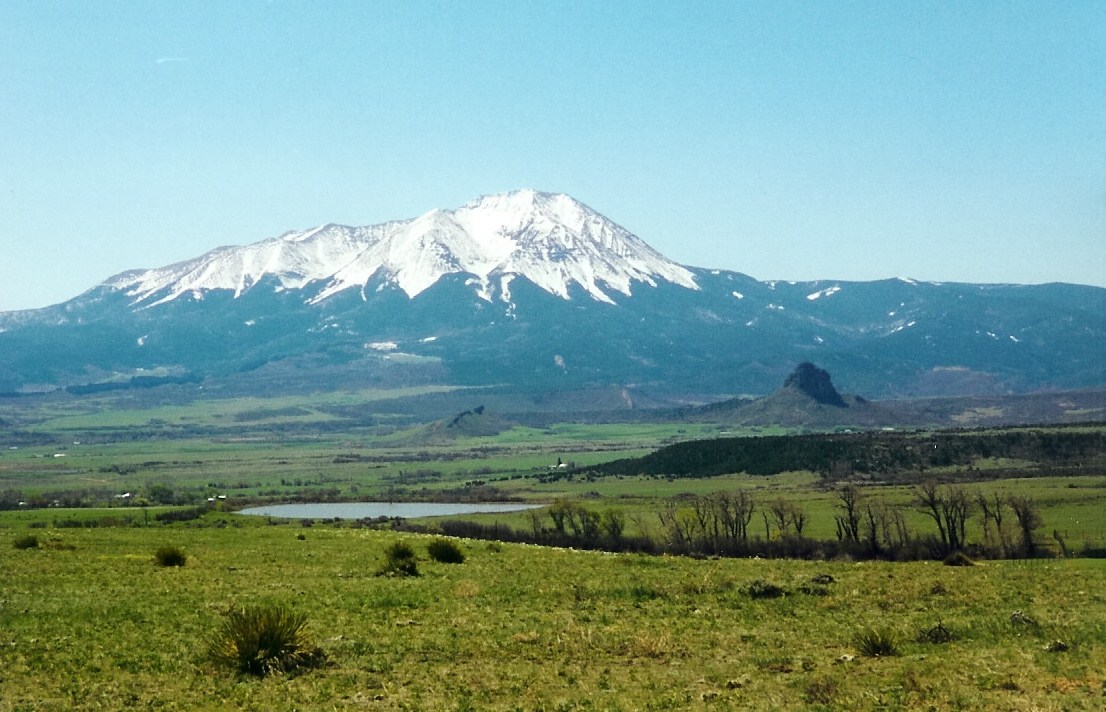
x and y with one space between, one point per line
167 60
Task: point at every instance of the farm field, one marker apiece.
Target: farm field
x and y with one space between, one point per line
90 622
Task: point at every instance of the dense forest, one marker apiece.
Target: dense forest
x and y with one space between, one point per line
883 454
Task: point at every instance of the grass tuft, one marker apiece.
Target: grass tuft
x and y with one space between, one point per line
169 556
876 643
445 551
261 640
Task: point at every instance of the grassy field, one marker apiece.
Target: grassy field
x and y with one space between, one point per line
88 621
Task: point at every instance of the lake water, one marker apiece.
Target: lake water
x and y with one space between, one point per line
374 510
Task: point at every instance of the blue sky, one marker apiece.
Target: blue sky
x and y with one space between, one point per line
844 140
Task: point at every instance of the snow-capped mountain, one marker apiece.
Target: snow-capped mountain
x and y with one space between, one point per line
550 239
537 292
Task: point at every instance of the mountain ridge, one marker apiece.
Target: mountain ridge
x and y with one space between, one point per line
543 294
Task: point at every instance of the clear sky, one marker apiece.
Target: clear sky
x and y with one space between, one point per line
958 141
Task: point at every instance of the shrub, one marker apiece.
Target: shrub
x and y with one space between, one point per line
759 588
1019 619
937 634
813 590
169 556
958 558
876 643
186 514
445 551
29 541
399 560
263 639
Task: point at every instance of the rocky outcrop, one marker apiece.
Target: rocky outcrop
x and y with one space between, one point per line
815 382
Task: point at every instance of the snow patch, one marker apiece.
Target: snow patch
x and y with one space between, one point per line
824 293
505 287
738 295
900 327
382 346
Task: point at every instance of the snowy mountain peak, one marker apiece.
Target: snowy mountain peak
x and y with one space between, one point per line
550 239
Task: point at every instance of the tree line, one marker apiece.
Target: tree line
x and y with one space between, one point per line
871 453
740 524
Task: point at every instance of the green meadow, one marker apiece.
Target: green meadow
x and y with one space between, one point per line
89 620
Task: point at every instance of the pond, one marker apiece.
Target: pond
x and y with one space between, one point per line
374 510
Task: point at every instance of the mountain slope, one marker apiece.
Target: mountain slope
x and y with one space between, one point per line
540 293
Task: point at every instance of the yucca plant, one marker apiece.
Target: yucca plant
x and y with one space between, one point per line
876 643
259 640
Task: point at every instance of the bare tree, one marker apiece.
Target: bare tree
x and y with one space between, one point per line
949 507
781 514
677 525
994 510
848 522
956 509
930 499
1029 519
734 512
873 525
